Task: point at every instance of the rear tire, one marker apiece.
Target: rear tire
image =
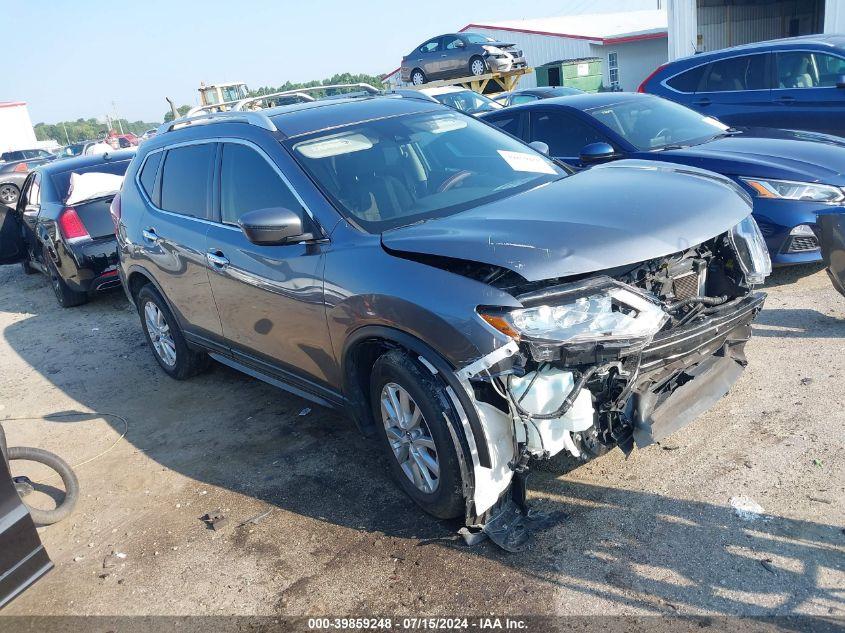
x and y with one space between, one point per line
418 77
165 338
66 296
9 194
418 444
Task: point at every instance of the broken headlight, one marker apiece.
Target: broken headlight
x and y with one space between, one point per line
596 311
751 251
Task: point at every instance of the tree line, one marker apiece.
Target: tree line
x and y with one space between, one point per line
65 132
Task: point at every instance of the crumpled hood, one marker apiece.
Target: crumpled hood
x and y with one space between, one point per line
608 216
764 153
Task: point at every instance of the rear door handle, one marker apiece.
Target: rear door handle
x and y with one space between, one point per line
785 100
702 102
216 259
150 235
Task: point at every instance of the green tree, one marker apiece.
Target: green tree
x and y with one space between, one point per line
183 110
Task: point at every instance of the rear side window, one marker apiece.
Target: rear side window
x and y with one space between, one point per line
248 182
688 81
737 73
149 172
186 179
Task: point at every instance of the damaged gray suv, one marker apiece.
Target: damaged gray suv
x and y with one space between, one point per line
469 302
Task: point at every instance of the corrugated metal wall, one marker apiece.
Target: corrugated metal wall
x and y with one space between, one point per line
723 24
540 49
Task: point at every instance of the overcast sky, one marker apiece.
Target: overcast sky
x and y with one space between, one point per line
73 58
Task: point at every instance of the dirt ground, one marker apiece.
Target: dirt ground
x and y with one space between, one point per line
652 534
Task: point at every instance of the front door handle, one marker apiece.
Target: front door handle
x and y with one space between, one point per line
150 235
785 100
704 101
216 259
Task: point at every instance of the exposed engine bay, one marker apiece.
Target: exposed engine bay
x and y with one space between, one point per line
621 357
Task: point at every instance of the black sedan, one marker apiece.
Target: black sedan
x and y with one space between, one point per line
791 176
62 227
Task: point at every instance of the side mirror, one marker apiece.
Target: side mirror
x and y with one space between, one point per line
540 146
840 81
597 152
273 226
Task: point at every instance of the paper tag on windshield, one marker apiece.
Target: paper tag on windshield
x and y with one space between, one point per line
527 162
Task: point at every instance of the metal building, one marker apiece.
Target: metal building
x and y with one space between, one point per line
708 25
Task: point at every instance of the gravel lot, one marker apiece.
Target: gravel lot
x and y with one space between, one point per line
651 534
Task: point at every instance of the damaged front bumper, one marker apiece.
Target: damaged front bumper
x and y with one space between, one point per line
626 400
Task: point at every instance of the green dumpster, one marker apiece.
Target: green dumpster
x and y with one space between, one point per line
584 73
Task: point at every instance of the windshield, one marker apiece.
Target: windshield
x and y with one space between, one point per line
653 123
468 101
396 171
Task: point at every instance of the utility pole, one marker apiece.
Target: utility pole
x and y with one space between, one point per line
116 116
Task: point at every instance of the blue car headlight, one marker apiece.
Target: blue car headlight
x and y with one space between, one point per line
751 251
790 190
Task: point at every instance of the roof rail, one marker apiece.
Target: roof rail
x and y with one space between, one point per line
253 118
302 93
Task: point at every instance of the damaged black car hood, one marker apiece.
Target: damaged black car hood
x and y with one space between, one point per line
612 215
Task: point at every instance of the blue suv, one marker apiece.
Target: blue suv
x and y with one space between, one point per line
795 83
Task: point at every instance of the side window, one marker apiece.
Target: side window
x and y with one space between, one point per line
148 174
248 182
688 81
565 135
430 47
737 73
517 99
830 68
803 69
34 196
511 124
186 179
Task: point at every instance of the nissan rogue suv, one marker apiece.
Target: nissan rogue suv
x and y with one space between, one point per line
469 302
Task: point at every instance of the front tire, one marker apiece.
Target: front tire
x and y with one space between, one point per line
477 67
165 338
418 77
410 408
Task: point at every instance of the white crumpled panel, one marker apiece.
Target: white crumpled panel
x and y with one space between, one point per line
91 185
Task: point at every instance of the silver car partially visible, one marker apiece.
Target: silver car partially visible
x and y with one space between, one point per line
459 55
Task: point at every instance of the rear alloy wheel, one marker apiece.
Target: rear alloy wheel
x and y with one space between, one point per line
165 337
417 77
9 194
477 67
411 408
65 295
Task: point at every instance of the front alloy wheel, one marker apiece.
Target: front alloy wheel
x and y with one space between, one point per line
410 438
159 331
477 67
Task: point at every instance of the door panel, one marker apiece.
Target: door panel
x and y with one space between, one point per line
270 298
832 241
173 237
737 91
11 237
806 96
23 559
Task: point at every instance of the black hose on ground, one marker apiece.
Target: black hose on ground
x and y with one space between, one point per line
71 483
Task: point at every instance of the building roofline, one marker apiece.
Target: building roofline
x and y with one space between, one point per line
11 104
621 39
